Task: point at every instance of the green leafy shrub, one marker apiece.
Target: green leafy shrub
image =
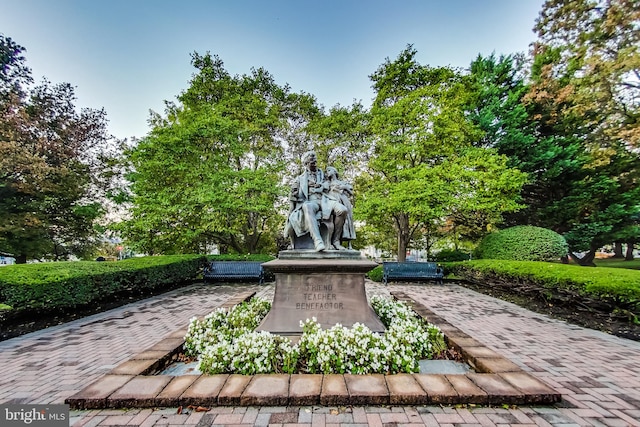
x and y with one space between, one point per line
523 243
376 274
240 257
61 285
452 255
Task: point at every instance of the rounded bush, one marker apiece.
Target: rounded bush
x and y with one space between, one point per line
523 243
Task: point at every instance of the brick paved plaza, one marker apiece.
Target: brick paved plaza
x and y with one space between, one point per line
597 374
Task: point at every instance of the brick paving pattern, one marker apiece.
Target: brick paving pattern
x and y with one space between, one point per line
598 374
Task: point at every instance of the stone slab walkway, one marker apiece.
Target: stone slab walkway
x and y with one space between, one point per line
598 375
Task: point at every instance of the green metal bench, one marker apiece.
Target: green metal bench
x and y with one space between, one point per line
234 271
411 271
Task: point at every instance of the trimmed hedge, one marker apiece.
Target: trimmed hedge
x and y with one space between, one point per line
376 274
616 287
523 243
60 285
452 255
241 257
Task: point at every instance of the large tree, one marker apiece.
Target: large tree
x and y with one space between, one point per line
597 43
522 129
584 104
567 133
49 160
425 165
210 171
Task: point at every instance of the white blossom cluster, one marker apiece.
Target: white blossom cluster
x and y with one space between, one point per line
222 324
389 310
404 325
354 350
227 343
250 353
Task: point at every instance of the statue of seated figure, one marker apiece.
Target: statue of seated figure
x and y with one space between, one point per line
317 217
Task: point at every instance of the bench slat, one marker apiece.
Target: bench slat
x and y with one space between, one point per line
411 270
234 270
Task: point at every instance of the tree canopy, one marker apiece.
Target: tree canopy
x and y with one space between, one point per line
424 165
583 112
50 164
569 122
210 171
550 140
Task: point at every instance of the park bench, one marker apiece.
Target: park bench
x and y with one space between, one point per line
411 271
234 271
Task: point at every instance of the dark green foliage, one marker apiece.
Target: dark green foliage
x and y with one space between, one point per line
240 257
496 107
376 274
555 127
617 287
584 114
60 285
452 255
523 243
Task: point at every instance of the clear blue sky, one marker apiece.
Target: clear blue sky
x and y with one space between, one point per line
128 56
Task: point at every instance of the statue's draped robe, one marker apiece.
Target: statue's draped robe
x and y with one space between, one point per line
296 217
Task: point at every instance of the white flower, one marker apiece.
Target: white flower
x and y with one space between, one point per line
226 342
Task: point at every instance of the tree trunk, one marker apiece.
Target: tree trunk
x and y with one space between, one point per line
404 236
252 243
21 259
629 256
617 250
236 246
402 248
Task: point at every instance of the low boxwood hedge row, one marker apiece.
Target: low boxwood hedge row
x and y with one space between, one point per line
614 287
241 257
61 285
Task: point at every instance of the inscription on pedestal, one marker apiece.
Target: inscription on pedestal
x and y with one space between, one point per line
319 297
305 290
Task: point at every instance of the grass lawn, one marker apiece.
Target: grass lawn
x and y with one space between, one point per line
618 263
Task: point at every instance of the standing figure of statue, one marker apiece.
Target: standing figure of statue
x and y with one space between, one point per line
306 197
338 201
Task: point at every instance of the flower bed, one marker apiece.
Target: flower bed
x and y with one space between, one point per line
133 384
226 342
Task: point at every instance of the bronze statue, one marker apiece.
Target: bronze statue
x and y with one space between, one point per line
338 201
317 208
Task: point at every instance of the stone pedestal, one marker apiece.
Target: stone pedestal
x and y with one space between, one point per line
329 288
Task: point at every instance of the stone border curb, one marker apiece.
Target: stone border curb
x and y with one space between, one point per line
497 381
